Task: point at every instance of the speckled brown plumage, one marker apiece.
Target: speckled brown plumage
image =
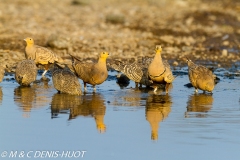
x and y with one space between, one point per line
134 71
63 102
65 81
92 73
200 77
2 71
40 55
26 72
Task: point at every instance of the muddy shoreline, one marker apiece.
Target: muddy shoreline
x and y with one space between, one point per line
206 32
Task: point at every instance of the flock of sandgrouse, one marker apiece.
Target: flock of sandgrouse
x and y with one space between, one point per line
150 72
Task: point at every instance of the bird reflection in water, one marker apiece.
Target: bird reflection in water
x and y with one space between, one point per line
61 103
85 105
158 108
24 97
199 103
129 97
31 97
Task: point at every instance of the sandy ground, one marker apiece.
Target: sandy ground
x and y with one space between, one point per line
207 31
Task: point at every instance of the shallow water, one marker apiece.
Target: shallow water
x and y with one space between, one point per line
118 124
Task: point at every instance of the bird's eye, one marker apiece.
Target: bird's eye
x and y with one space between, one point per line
30 39
103 52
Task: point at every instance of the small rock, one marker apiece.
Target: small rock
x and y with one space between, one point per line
189 21
224 52
115 19
175 63
225 37
167 39
187 48
225 43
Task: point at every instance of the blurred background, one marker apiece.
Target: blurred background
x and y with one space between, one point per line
200 29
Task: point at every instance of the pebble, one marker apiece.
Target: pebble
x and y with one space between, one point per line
224 52
175 63
225 43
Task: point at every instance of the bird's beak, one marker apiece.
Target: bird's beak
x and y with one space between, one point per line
24 39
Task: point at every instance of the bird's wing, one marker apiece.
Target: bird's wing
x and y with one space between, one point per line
44 55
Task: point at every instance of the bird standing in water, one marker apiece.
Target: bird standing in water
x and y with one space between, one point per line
26 72
64 81
200 77
92 73
40 55
159 71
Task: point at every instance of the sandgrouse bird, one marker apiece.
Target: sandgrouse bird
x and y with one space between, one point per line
92 73
65 81
159 71
40 55
134 71
200 77
26 72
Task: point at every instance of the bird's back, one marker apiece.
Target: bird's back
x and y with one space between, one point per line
44 55
65 81
83 70
205 79
26 72
133 71
193 73
168 75
136 71
201 77
92 73
41 55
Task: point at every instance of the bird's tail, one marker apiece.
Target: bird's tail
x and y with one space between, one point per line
74 59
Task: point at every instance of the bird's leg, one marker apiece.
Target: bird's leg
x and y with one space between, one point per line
45 71
85 86
136 84
94 88
46 67
155 89
167 87
196 90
